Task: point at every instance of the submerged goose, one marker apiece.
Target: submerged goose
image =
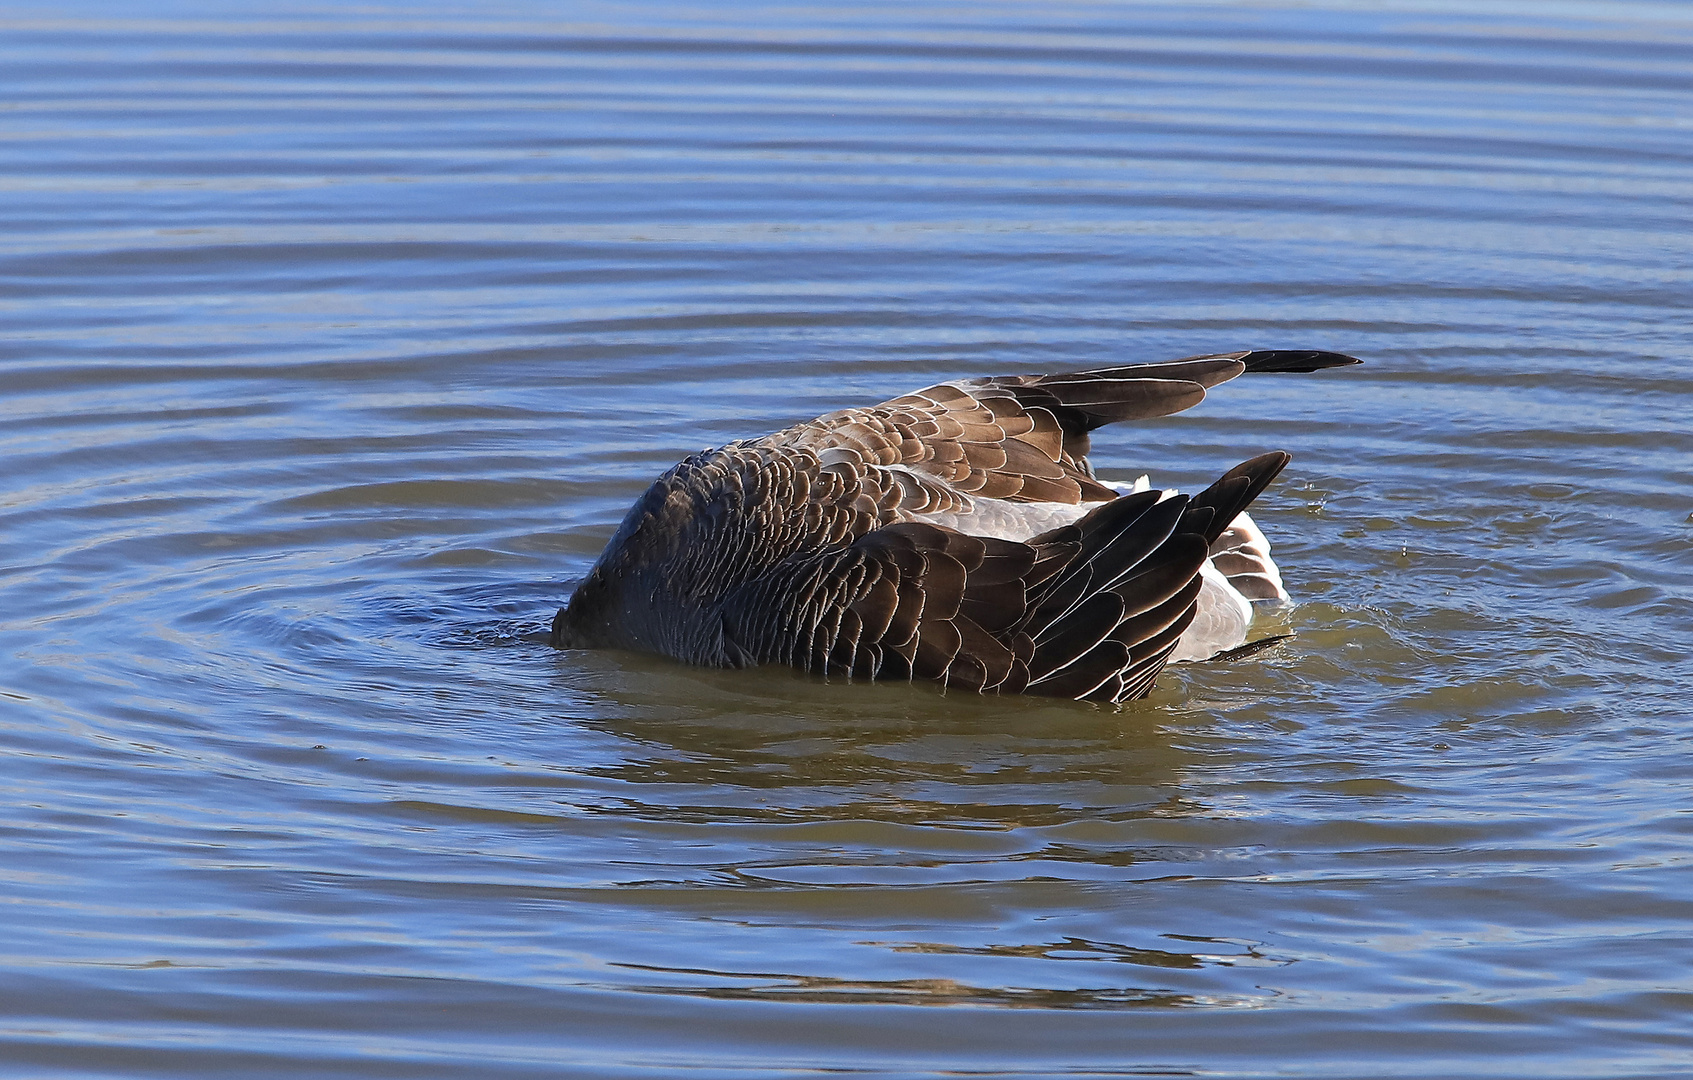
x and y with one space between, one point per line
956 534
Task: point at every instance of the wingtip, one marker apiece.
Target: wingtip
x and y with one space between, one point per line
1251 648
1296 360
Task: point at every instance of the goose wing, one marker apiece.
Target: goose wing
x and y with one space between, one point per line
1092 610
1018 438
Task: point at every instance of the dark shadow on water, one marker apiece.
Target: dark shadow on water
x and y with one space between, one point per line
817 990
1074 949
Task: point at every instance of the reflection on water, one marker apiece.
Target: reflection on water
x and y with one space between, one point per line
801 989
333 344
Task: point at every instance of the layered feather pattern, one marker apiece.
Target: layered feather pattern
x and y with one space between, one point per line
955 534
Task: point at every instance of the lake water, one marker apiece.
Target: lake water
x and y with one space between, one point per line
336 342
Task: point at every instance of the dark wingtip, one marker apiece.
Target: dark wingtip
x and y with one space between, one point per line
1235 490
1251 648
1296 360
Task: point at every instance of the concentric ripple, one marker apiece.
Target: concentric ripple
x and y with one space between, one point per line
334 341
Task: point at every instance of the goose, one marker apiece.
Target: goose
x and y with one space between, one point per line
957 534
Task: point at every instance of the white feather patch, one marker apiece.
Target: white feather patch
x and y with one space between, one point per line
1224 613
1221 621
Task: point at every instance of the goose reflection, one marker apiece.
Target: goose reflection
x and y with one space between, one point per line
773 746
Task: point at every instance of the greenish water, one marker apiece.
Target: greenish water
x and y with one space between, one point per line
335 343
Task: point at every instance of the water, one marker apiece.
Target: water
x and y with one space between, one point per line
337 341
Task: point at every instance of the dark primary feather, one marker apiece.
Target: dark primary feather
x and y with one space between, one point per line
808 547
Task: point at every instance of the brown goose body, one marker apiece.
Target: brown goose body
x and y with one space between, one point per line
956 534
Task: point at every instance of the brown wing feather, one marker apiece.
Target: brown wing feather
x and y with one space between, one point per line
1023 438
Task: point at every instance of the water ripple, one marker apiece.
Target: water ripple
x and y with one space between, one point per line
335 344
